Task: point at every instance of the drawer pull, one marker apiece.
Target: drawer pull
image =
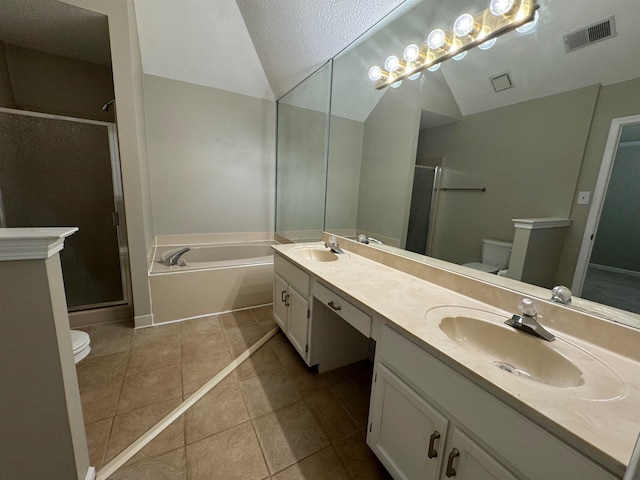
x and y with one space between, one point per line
433 453
334 306
282 295
451 472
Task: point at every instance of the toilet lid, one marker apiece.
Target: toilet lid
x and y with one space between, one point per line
482 267
79 340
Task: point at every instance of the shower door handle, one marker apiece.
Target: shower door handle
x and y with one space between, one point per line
115 218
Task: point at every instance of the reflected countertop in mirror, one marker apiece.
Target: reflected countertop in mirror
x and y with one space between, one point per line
533 150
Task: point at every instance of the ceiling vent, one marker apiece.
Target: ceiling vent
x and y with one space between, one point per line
590 34
501 82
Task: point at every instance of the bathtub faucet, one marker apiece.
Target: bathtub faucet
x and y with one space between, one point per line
174 258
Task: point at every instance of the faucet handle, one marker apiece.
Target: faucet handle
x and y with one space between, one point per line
561 294
528 307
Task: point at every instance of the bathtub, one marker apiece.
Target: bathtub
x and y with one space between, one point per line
216 278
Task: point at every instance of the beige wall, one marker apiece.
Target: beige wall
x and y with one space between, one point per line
48 83
527 155
614 101
343 175
211 158
389 154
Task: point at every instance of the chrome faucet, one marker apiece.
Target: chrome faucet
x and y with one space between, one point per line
561 295
332 244
527 321
362 238
174 258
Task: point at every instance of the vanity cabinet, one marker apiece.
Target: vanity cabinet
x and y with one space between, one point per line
415 441
292 288
427 421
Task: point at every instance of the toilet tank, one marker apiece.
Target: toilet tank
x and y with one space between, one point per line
496 252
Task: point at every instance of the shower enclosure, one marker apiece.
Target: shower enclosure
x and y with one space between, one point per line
62 171
424 203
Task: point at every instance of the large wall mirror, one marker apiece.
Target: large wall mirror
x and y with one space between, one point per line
437 165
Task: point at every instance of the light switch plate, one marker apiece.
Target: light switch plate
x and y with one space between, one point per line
583 198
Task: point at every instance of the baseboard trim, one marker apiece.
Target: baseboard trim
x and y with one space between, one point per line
91 474
142 321
607 268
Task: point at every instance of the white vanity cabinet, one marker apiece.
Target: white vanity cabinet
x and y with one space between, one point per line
477 436
291 291
415 441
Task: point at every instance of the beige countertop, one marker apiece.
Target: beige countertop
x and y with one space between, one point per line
600 418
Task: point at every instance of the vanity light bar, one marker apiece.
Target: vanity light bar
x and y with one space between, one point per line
479 30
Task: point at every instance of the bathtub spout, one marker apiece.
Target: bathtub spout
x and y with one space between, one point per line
174 258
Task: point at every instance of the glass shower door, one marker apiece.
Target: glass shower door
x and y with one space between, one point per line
59 171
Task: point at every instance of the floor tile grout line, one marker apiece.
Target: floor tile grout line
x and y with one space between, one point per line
120 459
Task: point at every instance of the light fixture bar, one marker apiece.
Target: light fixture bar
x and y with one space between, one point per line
486 26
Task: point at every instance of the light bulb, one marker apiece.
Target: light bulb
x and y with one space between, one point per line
527 27
436 39
415 76
391 64
411 53
434 68
375 73
463 25
501 7
488 44
397 84
460 56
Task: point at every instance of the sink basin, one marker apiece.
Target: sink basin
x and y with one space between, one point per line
316 254
558 364
512 351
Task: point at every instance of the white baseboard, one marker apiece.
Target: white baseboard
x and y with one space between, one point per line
142 321
607 268
91 474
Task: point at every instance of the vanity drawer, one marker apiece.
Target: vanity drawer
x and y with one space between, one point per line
297 278
352 315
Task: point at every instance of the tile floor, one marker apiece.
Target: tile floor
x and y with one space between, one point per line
271 418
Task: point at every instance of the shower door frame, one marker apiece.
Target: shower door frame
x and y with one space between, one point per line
118 201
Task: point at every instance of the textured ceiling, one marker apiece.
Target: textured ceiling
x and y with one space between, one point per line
55 27
264 48
293 38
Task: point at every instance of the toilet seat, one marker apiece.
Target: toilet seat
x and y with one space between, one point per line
483 267
80 342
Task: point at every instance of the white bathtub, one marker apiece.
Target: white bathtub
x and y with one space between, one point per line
216 278
214 256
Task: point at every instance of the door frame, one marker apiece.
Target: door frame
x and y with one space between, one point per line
599 193
118 200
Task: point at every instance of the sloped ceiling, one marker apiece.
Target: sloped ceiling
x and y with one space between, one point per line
200 41
294 38
537 61
264 48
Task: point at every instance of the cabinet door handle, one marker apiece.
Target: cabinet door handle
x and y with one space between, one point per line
282 295
286 300
451 472
433 453
334 306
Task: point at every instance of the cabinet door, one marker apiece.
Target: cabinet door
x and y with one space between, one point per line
280 302
406 433
298 321
466 460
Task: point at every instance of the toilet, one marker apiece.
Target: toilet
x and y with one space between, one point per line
81 344
495 256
